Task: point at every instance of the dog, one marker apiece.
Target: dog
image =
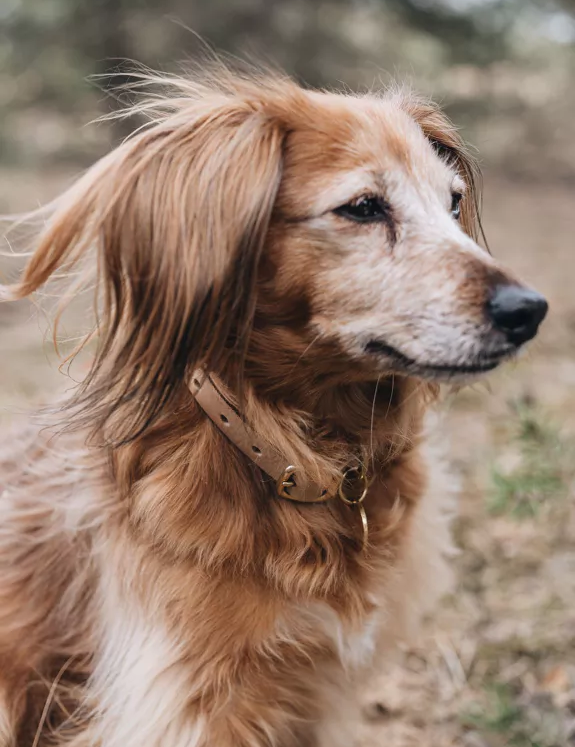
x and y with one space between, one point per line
235 512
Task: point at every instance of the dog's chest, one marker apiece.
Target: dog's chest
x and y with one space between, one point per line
354 645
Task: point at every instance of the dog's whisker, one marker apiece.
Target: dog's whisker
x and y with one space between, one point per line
371 449
305 352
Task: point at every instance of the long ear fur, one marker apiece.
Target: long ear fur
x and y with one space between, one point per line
449 144
177 215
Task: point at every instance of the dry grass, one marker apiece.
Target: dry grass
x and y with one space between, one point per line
496 666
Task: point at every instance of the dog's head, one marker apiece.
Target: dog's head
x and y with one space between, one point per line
254 220
374 230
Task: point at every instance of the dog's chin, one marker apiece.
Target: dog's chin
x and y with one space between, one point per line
462 371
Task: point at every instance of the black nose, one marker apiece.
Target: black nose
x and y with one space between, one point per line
516 311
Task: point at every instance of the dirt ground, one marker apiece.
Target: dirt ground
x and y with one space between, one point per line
496 664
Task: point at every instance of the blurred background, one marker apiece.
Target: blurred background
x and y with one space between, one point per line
496 666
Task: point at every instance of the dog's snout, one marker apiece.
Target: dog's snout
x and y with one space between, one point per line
516 311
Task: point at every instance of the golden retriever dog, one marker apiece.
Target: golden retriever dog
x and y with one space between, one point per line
210 540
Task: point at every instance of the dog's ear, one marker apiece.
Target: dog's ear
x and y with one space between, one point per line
178 216
449 144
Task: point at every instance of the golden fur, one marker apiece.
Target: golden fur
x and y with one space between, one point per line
148 575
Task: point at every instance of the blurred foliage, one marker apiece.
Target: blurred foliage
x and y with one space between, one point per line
483 58
506 718
541 472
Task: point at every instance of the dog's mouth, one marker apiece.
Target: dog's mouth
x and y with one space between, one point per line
480 364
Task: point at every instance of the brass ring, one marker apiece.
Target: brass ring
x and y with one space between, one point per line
365 536
361 478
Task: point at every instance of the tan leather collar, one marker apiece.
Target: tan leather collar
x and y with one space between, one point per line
290 481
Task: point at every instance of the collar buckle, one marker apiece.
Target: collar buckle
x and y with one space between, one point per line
287 481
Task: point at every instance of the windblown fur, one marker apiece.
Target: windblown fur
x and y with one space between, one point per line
153 589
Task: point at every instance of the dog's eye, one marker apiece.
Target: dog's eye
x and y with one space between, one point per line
366 209
456 198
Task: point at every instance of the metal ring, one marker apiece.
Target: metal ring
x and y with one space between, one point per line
364 527
361 478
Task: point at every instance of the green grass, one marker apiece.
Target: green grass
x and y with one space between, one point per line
504 719
500 715
541 475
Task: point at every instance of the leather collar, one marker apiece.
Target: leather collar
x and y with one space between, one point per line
290 481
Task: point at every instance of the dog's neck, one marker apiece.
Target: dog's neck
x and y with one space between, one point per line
333 420
210 492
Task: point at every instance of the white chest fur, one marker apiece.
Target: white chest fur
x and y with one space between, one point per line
355 646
